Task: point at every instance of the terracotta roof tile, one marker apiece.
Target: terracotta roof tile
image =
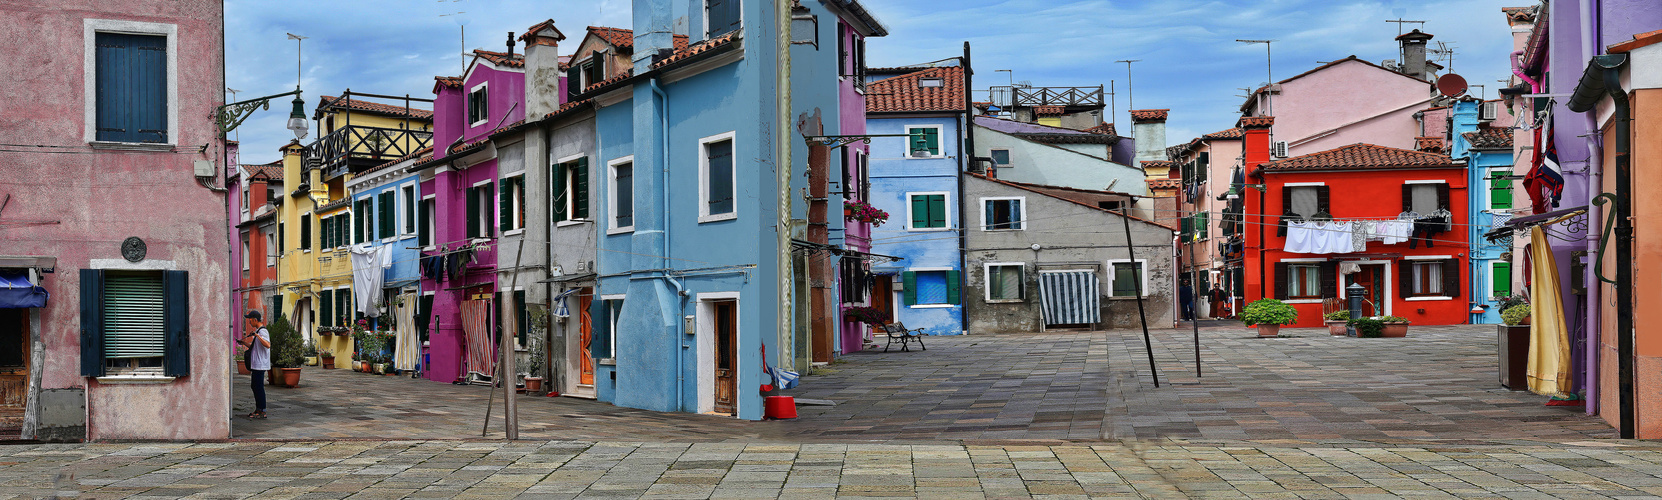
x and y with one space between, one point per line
1429 144
549 24
683 51
1519 15
1490 138
419 153
1047 110
1360 156
617 78
1165 183
449 81
1254 122
567 107
332 102
902 93
1158 164
1103 129
1234 133
624 39
501 58
1148 115
272 172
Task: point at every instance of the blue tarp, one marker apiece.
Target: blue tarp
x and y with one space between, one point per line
17 292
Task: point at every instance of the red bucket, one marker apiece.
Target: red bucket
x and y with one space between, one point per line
779 407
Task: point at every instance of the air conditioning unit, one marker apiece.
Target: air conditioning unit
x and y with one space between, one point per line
1487 111
1278 149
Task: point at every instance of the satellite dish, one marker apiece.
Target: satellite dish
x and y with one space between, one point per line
1451 85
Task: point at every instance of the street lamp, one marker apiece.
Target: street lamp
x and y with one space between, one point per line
297 118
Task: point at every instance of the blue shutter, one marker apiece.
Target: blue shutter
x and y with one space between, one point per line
92 323
176 323
600 329
131 88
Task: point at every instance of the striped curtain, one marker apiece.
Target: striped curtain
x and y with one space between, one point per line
476 326
408 352
1070 297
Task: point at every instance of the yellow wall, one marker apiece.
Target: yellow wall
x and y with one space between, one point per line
303 273
1051 121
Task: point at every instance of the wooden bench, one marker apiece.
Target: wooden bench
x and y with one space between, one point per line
898 332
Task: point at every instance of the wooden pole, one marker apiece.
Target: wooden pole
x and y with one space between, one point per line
505 367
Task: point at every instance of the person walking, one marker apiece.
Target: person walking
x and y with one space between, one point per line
258 342
1186 297
1218 298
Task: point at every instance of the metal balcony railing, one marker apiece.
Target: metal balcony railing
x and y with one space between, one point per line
356 142
1023 96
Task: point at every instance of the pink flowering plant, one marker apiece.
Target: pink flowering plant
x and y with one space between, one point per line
864 212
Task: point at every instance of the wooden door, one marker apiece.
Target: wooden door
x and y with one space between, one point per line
14 370
725 322
585 336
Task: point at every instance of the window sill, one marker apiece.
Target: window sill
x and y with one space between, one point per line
910 157
931 306
606 361
1000 230
620 230
1125 297
1425 299
1302 301
1005 301
514 232
135 379
571 222
928 229
716 218
130 146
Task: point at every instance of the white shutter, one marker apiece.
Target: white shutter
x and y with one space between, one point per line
133 315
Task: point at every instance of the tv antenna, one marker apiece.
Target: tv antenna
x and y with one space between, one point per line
1401 21
1129 104
1268 79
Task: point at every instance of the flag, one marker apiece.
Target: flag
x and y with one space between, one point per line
1545 181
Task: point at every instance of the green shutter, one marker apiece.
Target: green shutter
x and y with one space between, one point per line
504 197
559 195
1500 190
920 211
953 292
937 210
92 323
388 214
1502 278
472 212
917 142
909 282
485 193
133 316
580 204
176 323
326 308
361 212
932 141
305 232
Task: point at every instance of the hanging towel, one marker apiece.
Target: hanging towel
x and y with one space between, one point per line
408 352
1340 235
367 277
1298 237
1549 347
476 326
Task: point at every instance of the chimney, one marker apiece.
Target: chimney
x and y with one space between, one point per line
653 25
1413 54
1255 143
542 69
1148 126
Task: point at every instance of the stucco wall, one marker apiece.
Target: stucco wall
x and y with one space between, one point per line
893 175
1053 165
1333 97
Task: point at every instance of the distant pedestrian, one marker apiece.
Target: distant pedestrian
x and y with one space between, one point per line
1219 299
258 343
1186 297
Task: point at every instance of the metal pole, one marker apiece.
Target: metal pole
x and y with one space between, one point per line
782 177
1137 286
1129 103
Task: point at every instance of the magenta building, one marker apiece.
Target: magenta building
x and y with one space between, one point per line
853 283
458 210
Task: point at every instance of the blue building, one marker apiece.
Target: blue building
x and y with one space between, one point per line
1487 149
915 178
694 257
386 200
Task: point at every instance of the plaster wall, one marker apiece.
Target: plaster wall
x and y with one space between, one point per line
851 120
893 175
1051 165
1314 104
571 245
1646 158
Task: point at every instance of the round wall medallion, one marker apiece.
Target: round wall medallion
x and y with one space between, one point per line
133 249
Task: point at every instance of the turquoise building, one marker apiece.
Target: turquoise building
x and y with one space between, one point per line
1486 147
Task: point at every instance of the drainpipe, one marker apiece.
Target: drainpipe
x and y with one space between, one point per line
967 158
782 178
664 246
1595 185
1604 74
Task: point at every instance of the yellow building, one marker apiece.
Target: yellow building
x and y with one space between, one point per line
317 225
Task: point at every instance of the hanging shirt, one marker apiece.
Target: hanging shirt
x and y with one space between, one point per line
1298 237
1320 239
1339 235
259 356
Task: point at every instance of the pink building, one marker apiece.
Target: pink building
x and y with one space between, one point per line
1349 101
458 189
120 216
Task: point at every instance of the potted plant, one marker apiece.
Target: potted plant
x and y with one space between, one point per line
287 352
1395 326
1370 328
310 352
860 211
533 364
378 364
866 314
327 357
1269 315
1336 322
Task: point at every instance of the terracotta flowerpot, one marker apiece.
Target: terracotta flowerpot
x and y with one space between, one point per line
533 385
328 362
242 367
1336 328
1395 330
1269 330
291 377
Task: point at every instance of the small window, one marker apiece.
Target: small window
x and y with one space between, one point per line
593 70
623 195
1002 214
409 209
570 182
1128 278
245 251
131 99
928 211
478 106
1005 282
1427 279
1500 190
1304 281
511 213
270 247
722 16
480 213
924 142
931 82
1306 201
718 194
1001 157
133 317
1501 277
1425 198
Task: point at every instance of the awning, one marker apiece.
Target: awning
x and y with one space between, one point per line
1529 221
17 292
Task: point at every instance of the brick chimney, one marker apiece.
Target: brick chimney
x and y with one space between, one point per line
1148 126
542 69
1255 144
1413 54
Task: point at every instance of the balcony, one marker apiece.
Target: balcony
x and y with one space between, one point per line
1026 96
357 148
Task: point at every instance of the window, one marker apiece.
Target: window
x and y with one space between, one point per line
623 195
306 232
1005 282
130 87
426 230
409 209
571 190
521 318
270 247
930 287
1128 278
1195 226
717 178
245 256
326 237
1501 277
721 16
1500 190
387 213
135 322
1428 279
1424 197
479 212
594 69
1002 214
928 211
478 106
364 230
1001 157
1431 278
603 316
924 142
1306 201
512 200
424 315
344 307
1304 281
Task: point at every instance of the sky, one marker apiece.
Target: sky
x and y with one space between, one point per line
1189 62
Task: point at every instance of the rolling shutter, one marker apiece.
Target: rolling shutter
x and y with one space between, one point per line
92 323
560 192
1281 280
133 316
580 201
1451 277
909 283
176 322
389 221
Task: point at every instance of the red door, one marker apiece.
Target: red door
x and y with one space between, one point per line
585 335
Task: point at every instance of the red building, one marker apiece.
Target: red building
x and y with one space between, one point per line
1313 202
258 235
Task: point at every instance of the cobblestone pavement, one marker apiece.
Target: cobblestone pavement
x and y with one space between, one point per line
1050 388
568 469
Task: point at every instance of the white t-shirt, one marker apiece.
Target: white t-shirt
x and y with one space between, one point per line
259 356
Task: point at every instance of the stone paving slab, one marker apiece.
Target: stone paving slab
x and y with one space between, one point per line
571 469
